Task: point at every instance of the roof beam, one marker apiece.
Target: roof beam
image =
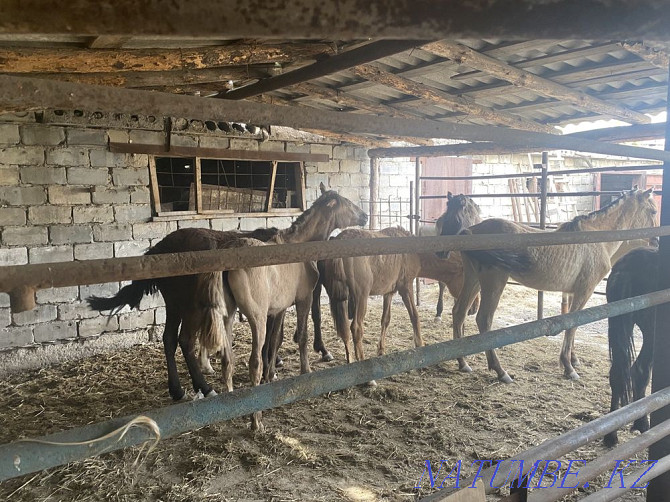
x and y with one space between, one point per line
456 103
114 60
345 19
521 78
333 64
21 94
658 58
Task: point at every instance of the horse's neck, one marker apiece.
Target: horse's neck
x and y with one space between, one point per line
437 269
312 228
616 219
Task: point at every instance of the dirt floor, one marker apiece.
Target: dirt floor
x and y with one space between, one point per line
361 444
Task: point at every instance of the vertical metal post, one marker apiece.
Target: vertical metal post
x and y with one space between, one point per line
374 191
543 222
413 227
659 488
417 215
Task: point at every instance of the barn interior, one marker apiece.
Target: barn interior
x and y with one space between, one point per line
115 133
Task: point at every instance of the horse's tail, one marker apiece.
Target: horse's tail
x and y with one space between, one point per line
620 337
510 261
130 295
210 300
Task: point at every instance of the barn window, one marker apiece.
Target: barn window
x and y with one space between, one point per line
197 185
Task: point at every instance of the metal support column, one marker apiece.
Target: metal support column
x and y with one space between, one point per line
374 191
417 216
543 221
659 488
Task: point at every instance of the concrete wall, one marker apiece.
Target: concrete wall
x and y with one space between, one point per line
64 196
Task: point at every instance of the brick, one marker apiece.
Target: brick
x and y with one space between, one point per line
183 140
59 330
343 153
71 234
193 224
224 224
93 214
93 251
140 195
130 177
105 290
311 168
118 136
9 134
297 148
271 146
9 175
252 223
50 214
110 233
40 314
151 230
130 248
361 154
243 144
43 175
50 254
147 137
360 180
36 134
87 176
350 166
13 256
69 157
102 158
22 196
12 216
326 149
136 320
68 195
86 137
160 315
24 236
314 180
138 160
58 295
132 214
328 167
111 196
339 180
16 336
214 142
4 300
5 317
22 155
97 325
280 222
75 311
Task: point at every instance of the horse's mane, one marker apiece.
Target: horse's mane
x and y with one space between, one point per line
575 224
300 220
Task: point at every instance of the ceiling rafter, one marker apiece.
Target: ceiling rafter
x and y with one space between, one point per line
457 103
527 80
656 57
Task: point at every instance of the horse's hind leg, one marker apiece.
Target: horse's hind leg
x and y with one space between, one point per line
641 370
257 323
462 303
386 320
170 340
568 356
187 343
338 310
302 308
440 302
493 282
319 346
407 296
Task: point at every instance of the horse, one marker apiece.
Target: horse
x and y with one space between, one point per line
192 301
461 212
635 274
574 269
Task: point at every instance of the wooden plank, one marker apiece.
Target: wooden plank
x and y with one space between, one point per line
656 57
271 188
155 192
37 60
455 103
216 153
522 78
301 186
198 185
467 494
345 19
27 93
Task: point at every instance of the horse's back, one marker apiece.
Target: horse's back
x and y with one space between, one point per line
501 226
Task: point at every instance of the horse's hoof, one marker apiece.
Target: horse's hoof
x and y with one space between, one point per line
371 383
211 393
465 368
438 318
327 357
207 371
610 440
573 375
576 363
198 395
279 362
506 378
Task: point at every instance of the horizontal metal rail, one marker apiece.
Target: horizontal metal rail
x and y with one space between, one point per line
20 458
536 194
538 174
21 281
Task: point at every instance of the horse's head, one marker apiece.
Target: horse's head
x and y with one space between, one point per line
341 212
640 208
462 212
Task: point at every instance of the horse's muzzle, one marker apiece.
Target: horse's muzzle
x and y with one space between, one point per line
363 219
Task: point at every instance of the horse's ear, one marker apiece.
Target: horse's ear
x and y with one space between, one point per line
635 188
649 192
322 187
449 196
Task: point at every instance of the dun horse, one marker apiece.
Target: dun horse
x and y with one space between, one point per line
574 269
635 274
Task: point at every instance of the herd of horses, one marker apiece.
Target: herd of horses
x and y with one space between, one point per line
200 308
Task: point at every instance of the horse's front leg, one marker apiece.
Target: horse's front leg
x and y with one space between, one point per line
187 343
170 341
407 295
319 346
273 340
386 320
302 308
257 322
440 302
641 370
338 310
227 355
568 357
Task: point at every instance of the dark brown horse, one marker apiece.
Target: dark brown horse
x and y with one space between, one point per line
633 275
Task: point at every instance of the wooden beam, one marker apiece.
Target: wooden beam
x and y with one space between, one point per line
656 57
333 64
110 60
625 133
457 103
21 94
271 188
345 19
521 78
